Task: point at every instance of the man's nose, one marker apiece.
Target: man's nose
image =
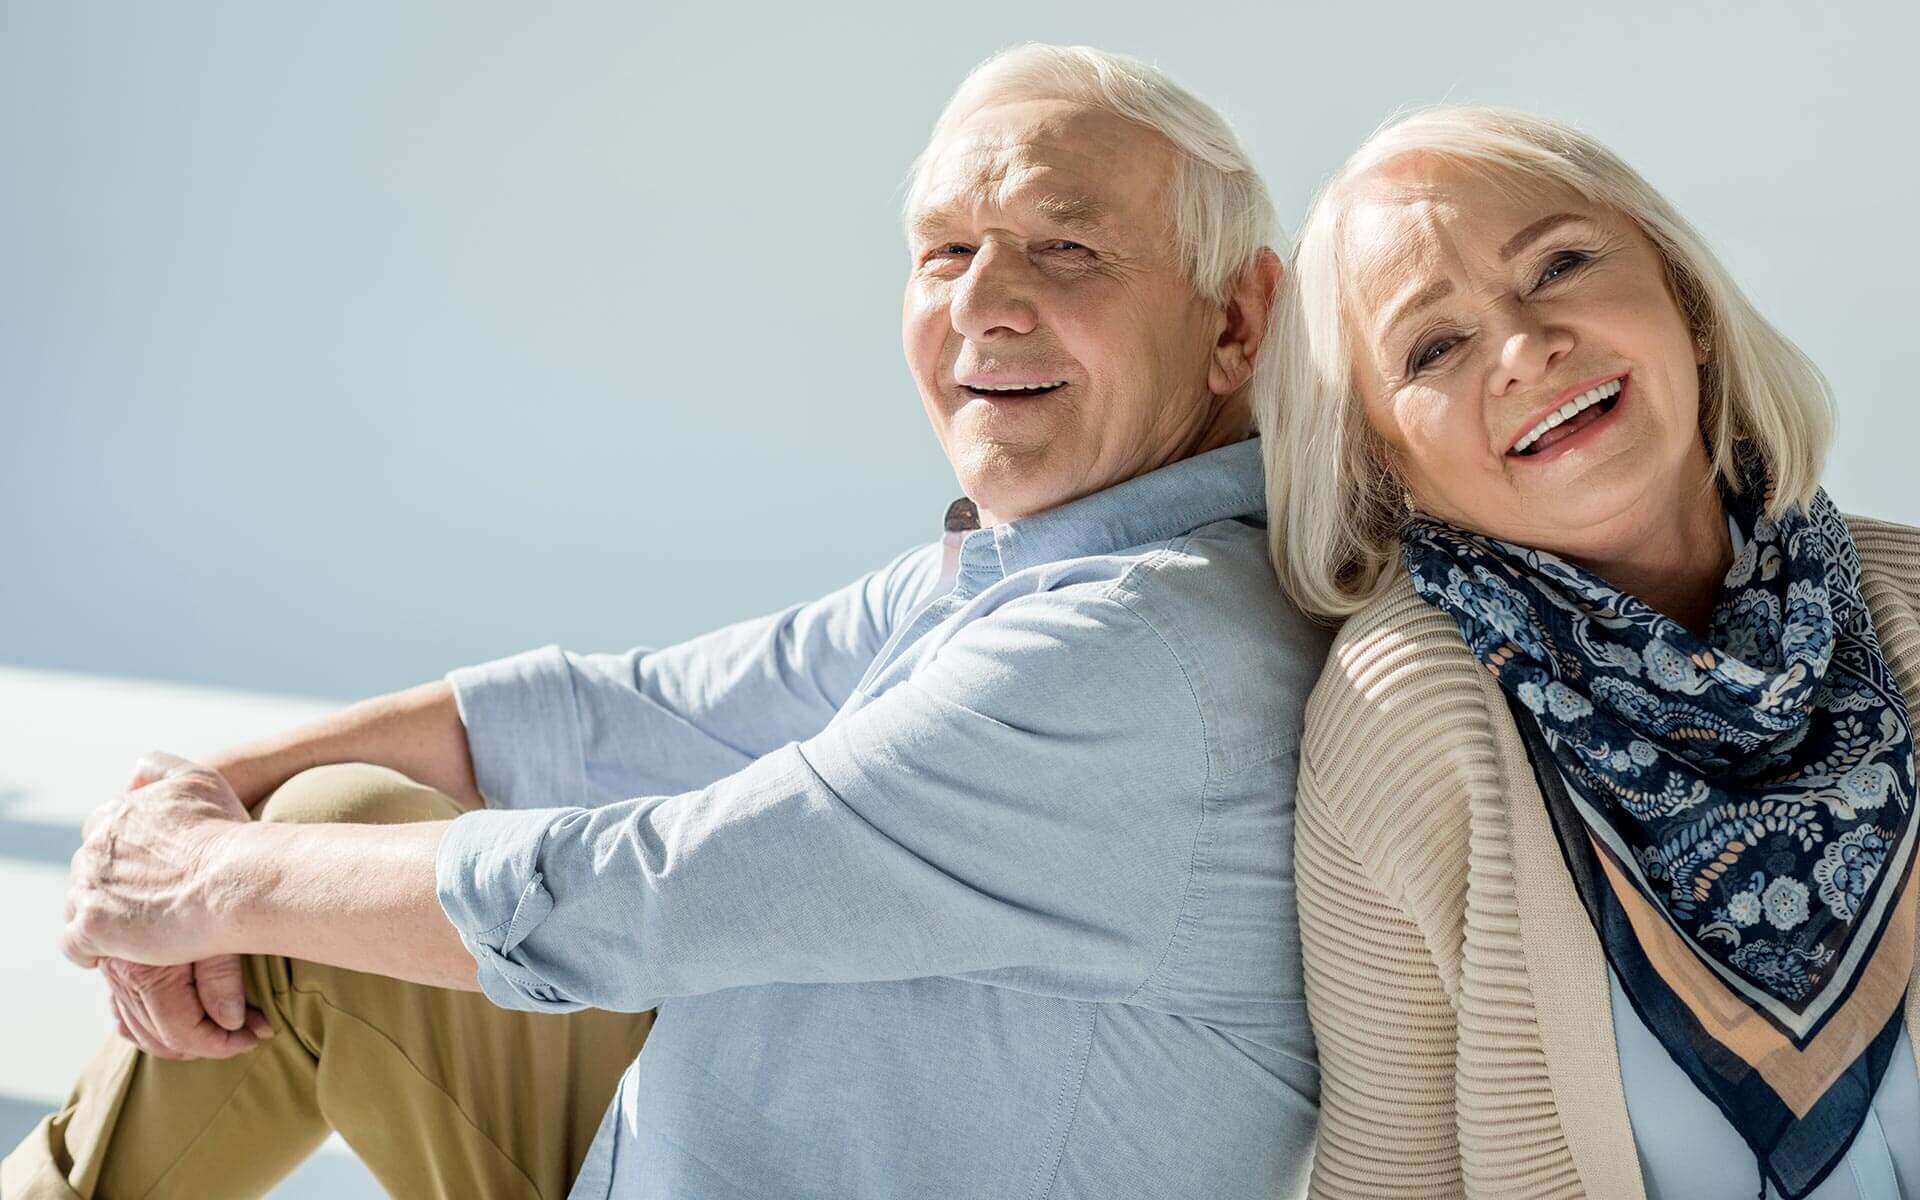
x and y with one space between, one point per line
992 298
1529 349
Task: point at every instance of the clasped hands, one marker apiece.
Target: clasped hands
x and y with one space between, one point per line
143 905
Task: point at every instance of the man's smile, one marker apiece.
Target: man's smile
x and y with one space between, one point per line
1012 390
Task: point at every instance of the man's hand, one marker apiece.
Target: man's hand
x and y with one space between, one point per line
194 1010
140 887
164 1010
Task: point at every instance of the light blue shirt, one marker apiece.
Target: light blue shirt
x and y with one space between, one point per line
1690 1151
972 879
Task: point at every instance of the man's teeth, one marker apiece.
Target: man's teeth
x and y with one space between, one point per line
1566 412
1016 387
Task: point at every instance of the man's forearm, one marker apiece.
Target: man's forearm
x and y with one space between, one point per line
416 732
361 897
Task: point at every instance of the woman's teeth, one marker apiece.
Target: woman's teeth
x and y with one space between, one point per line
1566 412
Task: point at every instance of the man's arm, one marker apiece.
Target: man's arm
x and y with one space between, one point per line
174 872
416 732
664 720
1025 810
355 896
551 728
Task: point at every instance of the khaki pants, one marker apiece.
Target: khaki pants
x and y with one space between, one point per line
439 1092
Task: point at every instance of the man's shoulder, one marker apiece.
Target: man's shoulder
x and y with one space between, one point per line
1250 656
904 583
1214 587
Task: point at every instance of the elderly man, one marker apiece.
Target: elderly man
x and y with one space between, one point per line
972 879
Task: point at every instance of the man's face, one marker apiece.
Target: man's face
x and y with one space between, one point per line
1056 341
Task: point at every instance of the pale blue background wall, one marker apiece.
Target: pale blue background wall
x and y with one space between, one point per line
343 343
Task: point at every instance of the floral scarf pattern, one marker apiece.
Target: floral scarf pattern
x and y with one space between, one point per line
1737 812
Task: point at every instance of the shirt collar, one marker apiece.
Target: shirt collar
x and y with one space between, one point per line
1219 485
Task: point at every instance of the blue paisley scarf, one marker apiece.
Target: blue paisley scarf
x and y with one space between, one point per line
1737 813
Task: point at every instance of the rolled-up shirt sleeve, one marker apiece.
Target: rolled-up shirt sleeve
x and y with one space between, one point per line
1024 811
550 727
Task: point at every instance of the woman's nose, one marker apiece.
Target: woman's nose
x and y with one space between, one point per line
1529 350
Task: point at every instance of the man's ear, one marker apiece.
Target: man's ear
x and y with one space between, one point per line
1249 304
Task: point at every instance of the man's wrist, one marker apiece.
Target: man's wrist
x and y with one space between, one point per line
237 874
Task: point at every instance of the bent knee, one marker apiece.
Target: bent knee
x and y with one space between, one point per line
355 793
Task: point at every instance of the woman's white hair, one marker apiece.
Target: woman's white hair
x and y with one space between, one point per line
1219 208
1334 510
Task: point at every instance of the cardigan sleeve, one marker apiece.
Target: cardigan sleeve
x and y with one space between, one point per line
1382 1020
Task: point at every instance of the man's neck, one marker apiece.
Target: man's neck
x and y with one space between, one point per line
1231 421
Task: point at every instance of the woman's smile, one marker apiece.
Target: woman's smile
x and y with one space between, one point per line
1575 423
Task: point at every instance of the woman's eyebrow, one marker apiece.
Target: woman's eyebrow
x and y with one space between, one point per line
1534 232
1437 290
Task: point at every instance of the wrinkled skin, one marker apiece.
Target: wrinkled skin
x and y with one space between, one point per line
1041 251
189 1010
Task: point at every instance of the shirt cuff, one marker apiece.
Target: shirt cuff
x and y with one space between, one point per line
488 877
523 732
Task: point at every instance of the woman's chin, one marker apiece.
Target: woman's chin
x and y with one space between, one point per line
1580 511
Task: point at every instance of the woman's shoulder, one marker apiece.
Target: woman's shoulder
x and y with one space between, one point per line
1890 584
1399 684
1887 547
1388 656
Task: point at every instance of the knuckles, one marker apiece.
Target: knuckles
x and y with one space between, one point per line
91 921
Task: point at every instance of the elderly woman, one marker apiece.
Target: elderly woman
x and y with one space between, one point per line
1606 808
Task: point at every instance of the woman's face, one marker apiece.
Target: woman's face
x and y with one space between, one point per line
1519 352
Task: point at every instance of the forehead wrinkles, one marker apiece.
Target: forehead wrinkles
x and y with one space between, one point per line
1393 245
1067 162
983 172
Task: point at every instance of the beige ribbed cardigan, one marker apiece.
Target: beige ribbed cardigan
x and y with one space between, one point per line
1457 990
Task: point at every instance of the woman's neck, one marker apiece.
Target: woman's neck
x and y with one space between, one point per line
1678 572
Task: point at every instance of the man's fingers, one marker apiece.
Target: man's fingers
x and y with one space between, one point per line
156 765
121 1023
258 1025
173 1008
144 773
139 1014
79 950
211 1041
136 1030
161 1012
222 990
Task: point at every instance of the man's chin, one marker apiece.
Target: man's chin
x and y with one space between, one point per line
1010 482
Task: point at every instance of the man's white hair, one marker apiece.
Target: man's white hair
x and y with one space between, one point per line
1219 207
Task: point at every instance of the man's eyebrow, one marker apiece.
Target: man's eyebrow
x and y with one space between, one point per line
1534 232
1068 212
1072 212
928 224
1427 295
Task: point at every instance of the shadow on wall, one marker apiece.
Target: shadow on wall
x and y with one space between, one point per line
34 841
